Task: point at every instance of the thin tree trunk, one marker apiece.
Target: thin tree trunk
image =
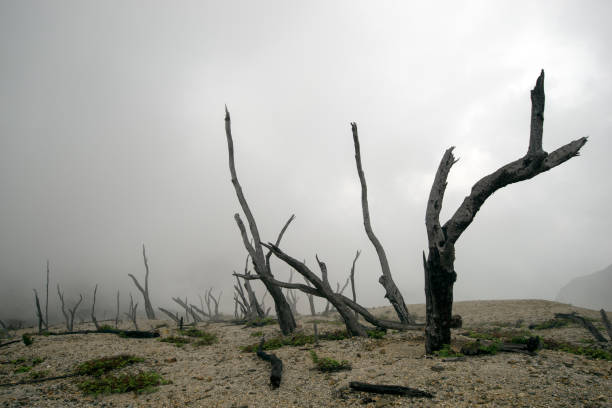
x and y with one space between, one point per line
438 266
47 301
285 318
386 280
145 291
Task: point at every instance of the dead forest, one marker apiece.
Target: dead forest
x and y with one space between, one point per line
190 320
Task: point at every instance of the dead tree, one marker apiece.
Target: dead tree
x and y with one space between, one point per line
352 277
47 301
93 309
117 315
68 316
386 280
293 299
261 263
131 314
313 313
173 316
439 266
184 305
606 322
339 291
252 299
145 291
41 321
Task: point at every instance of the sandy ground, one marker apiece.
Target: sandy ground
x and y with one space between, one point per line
221 375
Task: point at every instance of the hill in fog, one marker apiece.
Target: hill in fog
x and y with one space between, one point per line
593 291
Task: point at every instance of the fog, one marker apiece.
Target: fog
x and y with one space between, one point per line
112 135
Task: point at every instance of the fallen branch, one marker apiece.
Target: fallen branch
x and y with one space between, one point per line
389 389
133 334
38 380
277 365
584 322
9 342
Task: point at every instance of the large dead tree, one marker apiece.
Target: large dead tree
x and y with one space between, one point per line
439 265
261 263
145 291
386 280
41 320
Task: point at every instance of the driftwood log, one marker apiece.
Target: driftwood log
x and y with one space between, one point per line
277 365
390 389
583 322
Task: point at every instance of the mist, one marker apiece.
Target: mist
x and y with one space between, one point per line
112 136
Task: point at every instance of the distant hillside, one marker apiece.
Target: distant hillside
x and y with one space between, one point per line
593 291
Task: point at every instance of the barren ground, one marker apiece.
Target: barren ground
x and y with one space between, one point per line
221 375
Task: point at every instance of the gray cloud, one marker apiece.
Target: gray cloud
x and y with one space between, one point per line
111 135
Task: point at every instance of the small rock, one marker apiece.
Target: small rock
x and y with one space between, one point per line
437 368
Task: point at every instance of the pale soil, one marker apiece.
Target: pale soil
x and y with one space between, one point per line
222 376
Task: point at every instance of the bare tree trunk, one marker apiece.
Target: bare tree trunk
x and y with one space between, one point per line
117 315
439 266
352 276
47 301
145 291
93 309
41 320
313 313
132 312
386 280
262 268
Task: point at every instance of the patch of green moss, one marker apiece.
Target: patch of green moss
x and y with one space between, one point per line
22 369
301 339
326 364
37 360
205 338
100 366
474 348
257 333
377 333
550 324
591 352
27 339
111 384
19 360
447 351
259 322
35 375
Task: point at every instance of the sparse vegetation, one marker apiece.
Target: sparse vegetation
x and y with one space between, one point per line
550 324
111 384
36 375
447 351
177 341
100 366
326 364
22 369
27 339
301 339
257 333
591 352
475 348
259 322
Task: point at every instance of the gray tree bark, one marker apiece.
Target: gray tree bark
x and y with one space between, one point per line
439 267
145 291
386 280
262 268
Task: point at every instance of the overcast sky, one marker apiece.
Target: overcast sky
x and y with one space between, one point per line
112 135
